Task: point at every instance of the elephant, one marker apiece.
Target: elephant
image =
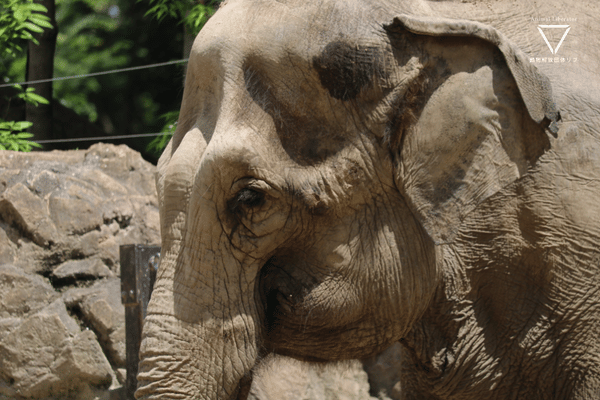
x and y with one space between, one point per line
350 174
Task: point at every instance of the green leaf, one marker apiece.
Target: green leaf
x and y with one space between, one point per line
33 27
35 98
21 125
23 135
41 20
158 144
20 14
38 7
12 137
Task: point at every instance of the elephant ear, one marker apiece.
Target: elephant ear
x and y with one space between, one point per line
534 87
478 131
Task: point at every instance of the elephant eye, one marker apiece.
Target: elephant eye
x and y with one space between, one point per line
250 198
246 199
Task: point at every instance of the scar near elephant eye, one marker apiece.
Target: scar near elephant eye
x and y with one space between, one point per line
246 199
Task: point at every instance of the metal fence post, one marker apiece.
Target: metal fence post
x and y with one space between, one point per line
138 272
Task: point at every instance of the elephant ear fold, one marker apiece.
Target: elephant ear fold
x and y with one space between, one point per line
534 87
475 133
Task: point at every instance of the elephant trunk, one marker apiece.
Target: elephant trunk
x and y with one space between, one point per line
201 333
200 336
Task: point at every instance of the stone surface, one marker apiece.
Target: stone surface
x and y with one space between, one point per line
21 293
282 378
48 354
57 206
86 269
7 325
100 307
27 354
384 373
63 216
76 211
21 207
84 359
7 248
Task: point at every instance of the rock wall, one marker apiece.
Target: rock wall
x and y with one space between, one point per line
63 216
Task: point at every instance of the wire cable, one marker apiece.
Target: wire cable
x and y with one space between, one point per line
100 138
62 78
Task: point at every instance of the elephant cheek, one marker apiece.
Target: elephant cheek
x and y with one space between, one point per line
204 357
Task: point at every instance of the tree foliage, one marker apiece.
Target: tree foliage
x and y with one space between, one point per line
100 35
158 144
192 13
18 20
89 41
103 35
13 137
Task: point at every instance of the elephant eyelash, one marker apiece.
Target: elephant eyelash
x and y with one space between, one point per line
250 198
246 198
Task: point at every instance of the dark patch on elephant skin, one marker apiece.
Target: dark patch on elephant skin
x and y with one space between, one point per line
344 70
307 139
279 293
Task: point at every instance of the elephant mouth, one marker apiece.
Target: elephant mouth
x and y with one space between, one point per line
276 293
282 292
294 325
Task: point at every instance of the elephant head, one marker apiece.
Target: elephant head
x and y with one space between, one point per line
325 153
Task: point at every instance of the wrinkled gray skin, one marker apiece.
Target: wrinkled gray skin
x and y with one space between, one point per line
348 174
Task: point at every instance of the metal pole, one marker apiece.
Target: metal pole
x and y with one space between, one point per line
138 272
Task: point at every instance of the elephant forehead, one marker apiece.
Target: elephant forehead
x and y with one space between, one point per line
294 75
275 88
320 45
240 27
268 26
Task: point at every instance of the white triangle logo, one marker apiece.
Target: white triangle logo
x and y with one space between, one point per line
567 29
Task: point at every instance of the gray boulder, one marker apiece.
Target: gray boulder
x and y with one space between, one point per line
86 269
58 206
100 308
63 216
22 293
48 354
283 378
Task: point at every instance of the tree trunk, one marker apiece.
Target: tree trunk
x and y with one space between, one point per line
40 65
